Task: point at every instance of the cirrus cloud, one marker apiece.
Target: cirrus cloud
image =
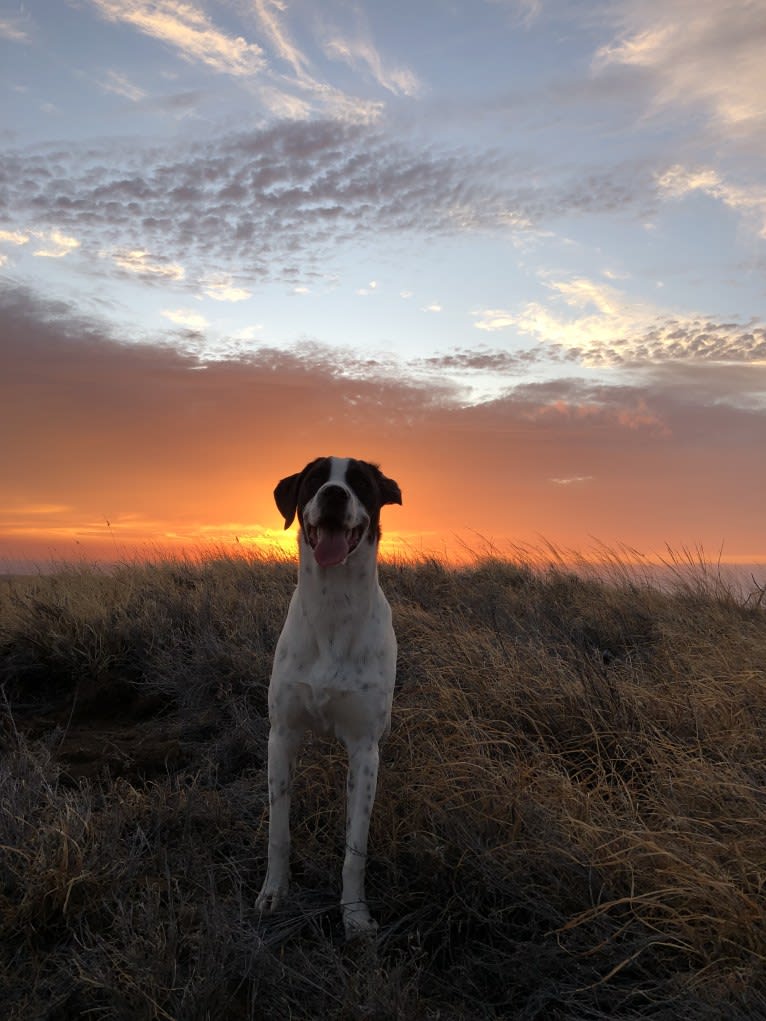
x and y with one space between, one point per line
704 53
359 51
189 31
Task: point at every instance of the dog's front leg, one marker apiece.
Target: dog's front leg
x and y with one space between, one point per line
360 785
283 749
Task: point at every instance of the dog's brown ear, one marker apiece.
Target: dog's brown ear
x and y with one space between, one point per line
389 490
286 496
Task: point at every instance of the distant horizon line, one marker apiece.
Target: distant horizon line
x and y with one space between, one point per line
601 560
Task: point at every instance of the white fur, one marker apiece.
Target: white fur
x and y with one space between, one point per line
333 673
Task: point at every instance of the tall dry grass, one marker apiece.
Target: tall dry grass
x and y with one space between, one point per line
571 819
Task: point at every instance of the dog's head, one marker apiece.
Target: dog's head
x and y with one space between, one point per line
338 501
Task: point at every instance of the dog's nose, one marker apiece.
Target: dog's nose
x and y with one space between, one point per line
332 504
333 499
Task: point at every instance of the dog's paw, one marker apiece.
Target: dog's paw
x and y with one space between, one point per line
358 922
270 897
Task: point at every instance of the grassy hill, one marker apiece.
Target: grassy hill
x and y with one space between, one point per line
571 818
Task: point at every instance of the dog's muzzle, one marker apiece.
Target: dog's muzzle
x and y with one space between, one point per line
330 536
331 546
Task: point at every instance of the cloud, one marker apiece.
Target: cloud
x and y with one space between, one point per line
188 30
192 34
14 29
179 104
699 53
483 360
678 181
222 288
268 13
267 201
570 404
579 292
360 52
14 237
494 319
120 85
527 11
701 339
35 509
573 481
142 264
300 94
247 333
433 307
599 325
59 244
186 317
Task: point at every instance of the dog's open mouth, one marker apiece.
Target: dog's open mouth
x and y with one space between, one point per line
331 546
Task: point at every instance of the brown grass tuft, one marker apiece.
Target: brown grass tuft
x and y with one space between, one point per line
571 821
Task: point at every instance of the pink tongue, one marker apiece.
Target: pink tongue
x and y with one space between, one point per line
331 549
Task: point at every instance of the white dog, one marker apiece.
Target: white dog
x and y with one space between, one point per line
335 661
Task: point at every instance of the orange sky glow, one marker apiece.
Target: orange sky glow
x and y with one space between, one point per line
131 450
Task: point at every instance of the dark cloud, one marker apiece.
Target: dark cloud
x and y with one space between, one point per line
485 360
179 103
81 405
706 340
739 384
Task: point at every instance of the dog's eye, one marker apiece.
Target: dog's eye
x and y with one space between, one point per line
362 485
312 483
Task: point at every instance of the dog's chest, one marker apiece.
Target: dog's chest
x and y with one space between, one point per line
335 641
335 661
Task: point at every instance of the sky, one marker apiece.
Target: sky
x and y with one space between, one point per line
514 251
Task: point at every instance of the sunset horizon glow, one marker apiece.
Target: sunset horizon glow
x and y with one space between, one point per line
109 546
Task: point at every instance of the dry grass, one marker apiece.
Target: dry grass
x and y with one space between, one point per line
571 822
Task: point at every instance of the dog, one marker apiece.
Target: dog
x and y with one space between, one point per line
335 660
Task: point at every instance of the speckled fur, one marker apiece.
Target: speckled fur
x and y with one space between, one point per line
333 673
